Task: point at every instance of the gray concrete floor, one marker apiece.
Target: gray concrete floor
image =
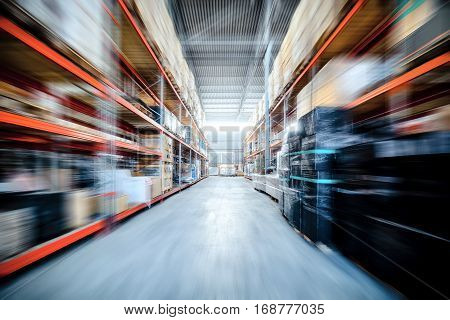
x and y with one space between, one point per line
219 239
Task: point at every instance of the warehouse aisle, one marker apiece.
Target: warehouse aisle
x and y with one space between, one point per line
219 239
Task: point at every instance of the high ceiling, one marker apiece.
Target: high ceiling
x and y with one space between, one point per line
224 43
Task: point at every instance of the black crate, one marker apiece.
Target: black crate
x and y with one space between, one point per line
387 250
47 211
284 176
324 119
319 228
317 161
325 230
326 142
292 205
296 170
295 165
49 214
318 195
309 222
317 175
294 144
295 183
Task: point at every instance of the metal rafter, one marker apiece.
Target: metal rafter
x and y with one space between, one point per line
222 42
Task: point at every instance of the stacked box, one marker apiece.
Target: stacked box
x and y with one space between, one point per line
161 31
324 131
341 81
167 146
79 208
152 170
156 186
284 169
292 208
311 22
186 134
16 232
167 178
259 182
151 140
273 186
391 195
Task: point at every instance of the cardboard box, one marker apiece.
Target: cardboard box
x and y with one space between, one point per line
79 207
167 156
156 187
152 141
167 176
16 231
167 183
121 203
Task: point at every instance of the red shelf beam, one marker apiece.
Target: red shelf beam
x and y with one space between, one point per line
39 252
44 250
406 77
254 154
344 22
155 58
69 66
22 121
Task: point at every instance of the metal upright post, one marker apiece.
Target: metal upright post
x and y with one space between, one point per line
179 150
196 169
285 109
161 133
267 57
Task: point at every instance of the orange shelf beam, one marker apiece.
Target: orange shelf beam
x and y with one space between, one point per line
327 43
18 120
69 66
155 58
41 251
406 77
22 121
50 54
254 154
344 22
276 144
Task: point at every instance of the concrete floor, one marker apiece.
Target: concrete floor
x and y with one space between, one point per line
219 239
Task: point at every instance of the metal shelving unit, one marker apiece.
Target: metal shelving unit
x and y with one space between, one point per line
49 54
345 39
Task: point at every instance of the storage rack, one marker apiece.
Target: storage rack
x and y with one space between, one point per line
281 120
392 111
51 55
363 24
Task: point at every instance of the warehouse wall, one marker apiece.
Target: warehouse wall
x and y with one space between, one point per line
225 143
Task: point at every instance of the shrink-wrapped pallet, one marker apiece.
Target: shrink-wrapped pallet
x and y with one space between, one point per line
311 21
161 31
341 81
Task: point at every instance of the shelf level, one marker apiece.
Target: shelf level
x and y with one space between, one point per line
102 90
144 41
404 78
26 122
46 249
344 22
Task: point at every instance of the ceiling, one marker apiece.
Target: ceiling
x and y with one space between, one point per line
224 43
